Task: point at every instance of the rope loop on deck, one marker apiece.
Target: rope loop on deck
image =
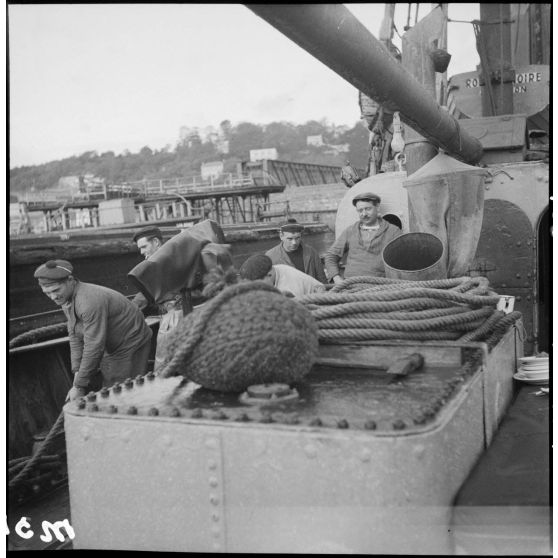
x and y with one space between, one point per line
371 308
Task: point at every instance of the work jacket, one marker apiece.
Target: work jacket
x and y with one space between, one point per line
101 321
312 263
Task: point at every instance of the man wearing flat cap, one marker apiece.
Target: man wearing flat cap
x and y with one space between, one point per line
362 243
103 326
291 251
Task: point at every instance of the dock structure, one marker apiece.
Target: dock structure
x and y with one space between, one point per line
229 198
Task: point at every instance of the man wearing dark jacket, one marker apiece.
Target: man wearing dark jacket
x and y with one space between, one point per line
291 251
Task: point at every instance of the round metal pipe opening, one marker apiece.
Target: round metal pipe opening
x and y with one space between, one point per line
416 256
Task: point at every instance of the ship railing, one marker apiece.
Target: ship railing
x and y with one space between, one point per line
185 185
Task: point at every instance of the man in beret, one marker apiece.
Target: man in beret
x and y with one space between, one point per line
103 325
148 240
362 243
291 251
285 278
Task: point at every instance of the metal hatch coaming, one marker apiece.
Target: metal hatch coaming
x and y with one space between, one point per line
181 484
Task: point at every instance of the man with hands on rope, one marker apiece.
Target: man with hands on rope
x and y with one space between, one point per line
362 243
105 329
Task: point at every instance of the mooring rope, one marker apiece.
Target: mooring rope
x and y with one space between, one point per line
370 308
57 428
38 334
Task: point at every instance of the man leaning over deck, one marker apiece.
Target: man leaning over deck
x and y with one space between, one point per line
103 325
292 251
285 278
362 242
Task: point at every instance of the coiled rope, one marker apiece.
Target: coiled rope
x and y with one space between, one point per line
378 308
57 428
38 334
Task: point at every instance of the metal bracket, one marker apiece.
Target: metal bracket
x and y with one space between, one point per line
506 304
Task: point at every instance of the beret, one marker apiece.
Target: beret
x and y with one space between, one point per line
148 231
367 196
255 267
54 270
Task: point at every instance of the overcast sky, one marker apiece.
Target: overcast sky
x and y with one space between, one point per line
122 76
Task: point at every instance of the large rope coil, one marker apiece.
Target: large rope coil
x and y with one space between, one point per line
378 308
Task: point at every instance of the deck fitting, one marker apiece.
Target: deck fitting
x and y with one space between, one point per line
113 409
91 396
316 421
93 407
128 383
139 380
153 412
174 412
117 388
105 392
132 410
81 403
243 417
150 376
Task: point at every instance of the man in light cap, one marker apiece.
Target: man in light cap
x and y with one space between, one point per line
362 243
284 278
103 325
291 251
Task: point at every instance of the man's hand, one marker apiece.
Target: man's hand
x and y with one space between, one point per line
75 393
337 279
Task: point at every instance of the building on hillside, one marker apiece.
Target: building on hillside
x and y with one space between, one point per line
211 169
261 154
316 141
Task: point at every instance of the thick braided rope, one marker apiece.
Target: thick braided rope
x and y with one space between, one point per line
367 334
38 334
501 327
365 308
398 295
407 325
202 316
486 327
458 283
57 428
378 306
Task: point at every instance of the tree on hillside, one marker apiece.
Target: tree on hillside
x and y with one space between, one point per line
285 137
357 138
244 137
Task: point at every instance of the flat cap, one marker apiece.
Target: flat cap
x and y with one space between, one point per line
148 231
367 196
53 271
291 226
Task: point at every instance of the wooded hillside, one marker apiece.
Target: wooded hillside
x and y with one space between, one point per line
187 156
